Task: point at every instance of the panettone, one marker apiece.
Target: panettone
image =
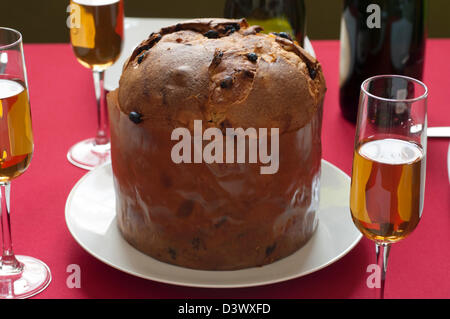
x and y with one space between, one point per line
216 216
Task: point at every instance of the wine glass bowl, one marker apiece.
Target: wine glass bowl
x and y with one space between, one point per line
388 175
16 138
97 41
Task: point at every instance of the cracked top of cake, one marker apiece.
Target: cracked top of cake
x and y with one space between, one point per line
223 72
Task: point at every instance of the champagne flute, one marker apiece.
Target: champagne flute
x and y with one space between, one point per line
388 177
20 276
96 34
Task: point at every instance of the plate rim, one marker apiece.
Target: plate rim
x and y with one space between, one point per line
201 285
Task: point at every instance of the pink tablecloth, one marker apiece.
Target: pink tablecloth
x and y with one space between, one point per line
63 108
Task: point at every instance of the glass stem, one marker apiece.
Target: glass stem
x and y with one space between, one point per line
9 264
382 251
101 137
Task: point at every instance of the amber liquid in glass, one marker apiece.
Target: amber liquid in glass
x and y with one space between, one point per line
387 188
97 39
16 136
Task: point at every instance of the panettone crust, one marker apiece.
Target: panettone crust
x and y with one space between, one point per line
216 216
201 70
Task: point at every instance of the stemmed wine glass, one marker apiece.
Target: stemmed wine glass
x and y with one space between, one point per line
96 34
388 177
20 276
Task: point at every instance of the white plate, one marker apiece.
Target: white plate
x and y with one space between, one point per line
90 217
137 30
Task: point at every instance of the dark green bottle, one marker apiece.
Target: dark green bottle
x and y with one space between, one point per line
392 42
273 15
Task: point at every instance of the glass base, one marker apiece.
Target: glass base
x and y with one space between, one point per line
88 155
34 278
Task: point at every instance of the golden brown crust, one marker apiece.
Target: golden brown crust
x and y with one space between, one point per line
217 216
199 70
